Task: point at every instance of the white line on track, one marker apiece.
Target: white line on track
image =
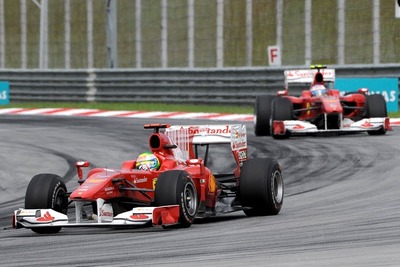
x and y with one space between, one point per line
135 114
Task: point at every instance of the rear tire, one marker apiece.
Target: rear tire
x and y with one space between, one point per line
375 107
47 191
261 187
177 188
262 115
282 110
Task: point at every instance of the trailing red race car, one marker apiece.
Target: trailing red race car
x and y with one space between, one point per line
320 108
171 185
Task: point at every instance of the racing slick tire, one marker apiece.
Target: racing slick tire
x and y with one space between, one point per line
375 107
262 114
261 187
46 191
282 110
176 187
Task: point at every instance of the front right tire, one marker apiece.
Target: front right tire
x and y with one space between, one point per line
177 188
375 107
261 187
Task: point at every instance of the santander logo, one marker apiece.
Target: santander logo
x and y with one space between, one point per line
209 130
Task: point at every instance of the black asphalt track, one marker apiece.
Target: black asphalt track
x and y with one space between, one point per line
341 206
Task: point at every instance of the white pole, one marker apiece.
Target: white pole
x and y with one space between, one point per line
41 37
24 59
138 34
308 37
46 35
89 10
249 32
279 19
43 59
191 33
2 37
341 15
220 33
164 33
67 29
397 9
112 33
376 31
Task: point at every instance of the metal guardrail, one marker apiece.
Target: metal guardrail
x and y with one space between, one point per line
237 86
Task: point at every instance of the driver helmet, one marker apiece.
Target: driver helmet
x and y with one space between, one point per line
147 162
318 90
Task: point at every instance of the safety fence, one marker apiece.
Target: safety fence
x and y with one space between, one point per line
234 86
72 34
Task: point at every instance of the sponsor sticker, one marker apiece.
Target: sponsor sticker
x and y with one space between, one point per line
140 180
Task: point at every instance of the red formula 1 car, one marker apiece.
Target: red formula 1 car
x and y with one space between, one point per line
320 108
171 185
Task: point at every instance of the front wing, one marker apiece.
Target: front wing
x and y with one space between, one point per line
35 218
348 125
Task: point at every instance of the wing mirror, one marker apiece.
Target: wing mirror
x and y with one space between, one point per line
363 91
79 165
282 93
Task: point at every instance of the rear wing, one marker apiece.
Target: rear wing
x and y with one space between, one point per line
185 136
307 76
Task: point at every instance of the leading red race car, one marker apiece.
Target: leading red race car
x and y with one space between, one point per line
320 108
171 185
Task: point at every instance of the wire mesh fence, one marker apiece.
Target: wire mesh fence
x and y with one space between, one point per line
66 34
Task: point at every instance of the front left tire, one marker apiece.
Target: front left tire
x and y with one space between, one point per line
47 191
262 115
282 110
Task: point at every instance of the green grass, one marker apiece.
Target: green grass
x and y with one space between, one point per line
136 106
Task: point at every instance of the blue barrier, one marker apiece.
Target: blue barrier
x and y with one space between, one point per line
388 87
4 93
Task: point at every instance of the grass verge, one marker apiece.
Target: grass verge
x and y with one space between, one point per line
136 106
